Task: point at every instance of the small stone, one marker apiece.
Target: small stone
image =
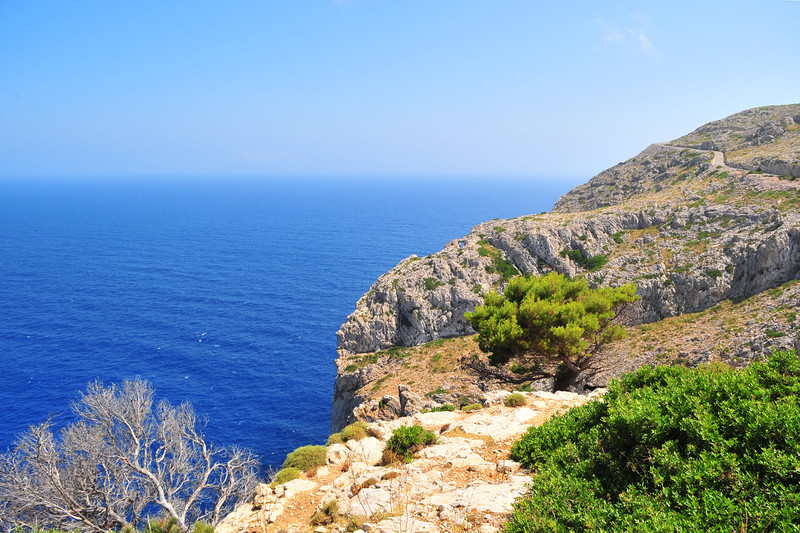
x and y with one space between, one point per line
275 512
507 465
446 512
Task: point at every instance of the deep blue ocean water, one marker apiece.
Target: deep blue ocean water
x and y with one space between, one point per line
225 293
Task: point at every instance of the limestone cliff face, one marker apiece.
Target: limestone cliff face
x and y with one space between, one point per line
680 220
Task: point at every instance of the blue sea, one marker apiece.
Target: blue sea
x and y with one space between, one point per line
226 293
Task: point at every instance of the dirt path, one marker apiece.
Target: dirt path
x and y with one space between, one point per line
718 160
757 181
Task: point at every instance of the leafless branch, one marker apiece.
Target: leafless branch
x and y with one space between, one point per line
120 458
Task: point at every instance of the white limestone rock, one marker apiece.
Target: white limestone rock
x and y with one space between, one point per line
368 450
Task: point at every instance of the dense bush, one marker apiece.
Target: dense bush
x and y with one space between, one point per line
285 475
202 527
335 438
515 399
408 439
671 449
306 458
355 431
550 318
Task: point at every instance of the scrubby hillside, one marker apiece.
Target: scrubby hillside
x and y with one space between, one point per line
693 222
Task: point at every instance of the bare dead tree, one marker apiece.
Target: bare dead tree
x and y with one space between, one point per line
120 458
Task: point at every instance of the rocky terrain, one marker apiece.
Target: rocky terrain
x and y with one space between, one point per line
707 226
708 218
464 483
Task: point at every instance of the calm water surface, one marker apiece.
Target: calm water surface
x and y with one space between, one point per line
225 293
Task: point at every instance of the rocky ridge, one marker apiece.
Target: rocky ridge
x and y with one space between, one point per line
465 482
693 222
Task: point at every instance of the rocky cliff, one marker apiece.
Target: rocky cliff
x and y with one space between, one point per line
711 216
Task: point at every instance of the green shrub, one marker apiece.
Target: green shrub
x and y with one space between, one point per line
164 525
306 458
355 431
506 268
285 475
432 284
441 408
336 438
710 449
592 264
773 333
202 527
716 273
515 399
326 515
408 439
377 385
472 407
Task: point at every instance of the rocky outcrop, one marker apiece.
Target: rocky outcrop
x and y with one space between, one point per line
685 257
689 232
692 222
465 482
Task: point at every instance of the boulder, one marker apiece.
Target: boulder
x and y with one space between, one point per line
410 402
368 450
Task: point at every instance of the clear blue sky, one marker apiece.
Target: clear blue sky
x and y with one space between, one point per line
404 87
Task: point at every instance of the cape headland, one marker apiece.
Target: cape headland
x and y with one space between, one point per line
706 225
708 228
